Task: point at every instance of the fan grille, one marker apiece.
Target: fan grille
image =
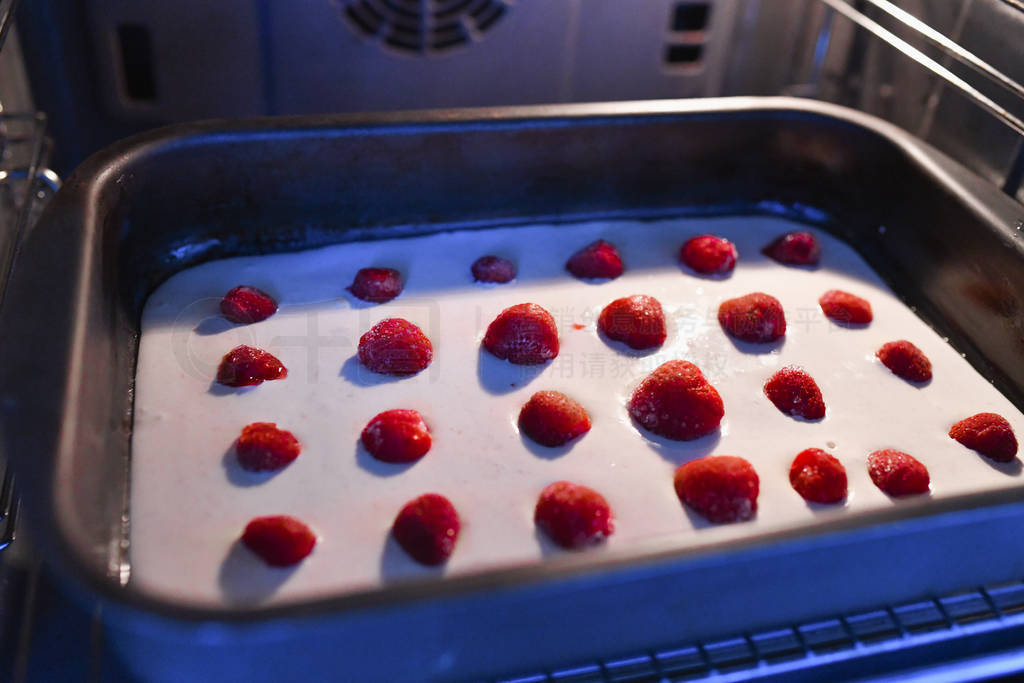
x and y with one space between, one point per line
423 26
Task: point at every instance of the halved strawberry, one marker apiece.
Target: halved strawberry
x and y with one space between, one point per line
721 488
553 419
573 516
898 473
493 269
599 259
636 320
524 334
398 436
818 477
280 540
905 360
798 248
245 304
376 285
794 392
427 528
395 346
677 402
987 433
245 366
845 308
263 447
709 254
756 317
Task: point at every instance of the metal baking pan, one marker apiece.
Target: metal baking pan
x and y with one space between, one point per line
152 205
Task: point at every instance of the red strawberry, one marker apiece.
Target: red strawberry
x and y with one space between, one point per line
795 249
427 528
247 305
846 308
709 254
989 434
280 540
677 402
906 361
573 516
493 269
523 334
597 260
262 447
721 488
395 347
552 419
397 436
818 477
897 473
246 366
376 284
794 392
755 317
636 320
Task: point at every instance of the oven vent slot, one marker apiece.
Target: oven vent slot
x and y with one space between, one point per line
423 26
137 67
690 16
688 32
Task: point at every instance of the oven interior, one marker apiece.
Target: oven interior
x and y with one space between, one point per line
948 74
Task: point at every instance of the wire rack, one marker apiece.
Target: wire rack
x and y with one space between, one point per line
941 632
25 186
7 8
838 37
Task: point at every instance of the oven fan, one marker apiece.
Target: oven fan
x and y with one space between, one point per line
423 26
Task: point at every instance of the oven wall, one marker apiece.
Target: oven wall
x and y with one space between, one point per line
144 63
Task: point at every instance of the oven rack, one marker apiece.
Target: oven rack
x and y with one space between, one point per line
7 9
968 635
962 636
937 54
25 185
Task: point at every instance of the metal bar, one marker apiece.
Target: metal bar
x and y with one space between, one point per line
927 62
851 90
7 8
801 30
23 212
950 623
821 49
991 603
27 621
6 493
96 646
950 47
8 508
10 525
1015 177
935 92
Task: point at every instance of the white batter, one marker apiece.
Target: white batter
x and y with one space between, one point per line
190 500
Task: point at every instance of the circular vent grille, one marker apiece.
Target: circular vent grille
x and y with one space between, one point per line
423 25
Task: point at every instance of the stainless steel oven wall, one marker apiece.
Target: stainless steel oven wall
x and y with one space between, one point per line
15 95
831 59
271 56
994 30
142 63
